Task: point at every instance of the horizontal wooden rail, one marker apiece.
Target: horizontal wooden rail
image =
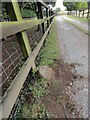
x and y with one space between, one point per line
13 91
10 28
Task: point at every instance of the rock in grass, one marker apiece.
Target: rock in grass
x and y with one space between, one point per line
47 73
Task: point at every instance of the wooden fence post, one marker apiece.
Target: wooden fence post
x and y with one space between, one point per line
47 17
40 12
50 15
14 13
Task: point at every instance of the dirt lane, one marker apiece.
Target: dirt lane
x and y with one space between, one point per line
73 45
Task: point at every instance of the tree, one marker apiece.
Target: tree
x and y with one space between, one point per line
70 5
82 6
78 8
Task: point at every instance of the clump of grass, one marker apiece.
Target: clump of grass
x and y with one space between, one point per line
50 51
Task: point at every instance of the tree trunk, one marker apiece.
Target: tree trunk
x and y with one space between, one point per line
76 13
83 14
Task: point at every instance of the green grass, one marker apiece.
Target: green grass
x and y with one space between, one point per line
77 18
78 27
50 51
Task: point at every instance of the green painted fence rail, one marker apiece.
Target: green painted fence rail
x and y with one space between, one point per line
10 28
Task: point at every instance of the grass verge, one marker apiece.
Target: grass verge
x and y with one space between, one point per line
77 18
50 50
78 27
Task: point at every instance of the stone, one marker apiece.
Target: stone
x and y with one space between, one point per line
71 84
47 73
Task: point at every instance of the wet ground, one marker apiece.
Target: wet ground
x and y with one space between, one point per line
73 45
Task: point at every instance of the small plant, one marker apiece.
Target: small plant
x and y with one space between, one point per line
36 109
38 89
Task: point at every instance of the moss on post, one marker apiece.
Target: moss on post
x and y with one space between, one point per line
14 13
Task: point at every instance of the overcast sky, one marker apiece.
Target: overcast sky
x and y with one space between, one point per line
59 4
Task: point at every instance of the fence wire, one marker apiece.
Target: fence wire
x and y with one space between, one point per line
11 61
12 57
23 95
25 91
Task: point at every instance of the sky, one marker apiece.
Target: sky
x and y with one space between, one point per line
59 4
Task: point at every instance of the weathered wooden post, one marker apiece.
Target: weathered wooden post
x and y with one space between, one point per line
40 12
51 15
47 17
14 13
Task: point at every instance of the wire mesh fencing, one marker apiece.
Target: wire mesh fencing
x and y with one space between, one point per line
12 60
25 95
12 57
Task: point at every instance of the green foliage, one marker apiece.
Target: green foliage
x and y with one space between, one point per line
35 112
38 89
70 5
50 2
81 5
28 13
76 5
36 109
84 5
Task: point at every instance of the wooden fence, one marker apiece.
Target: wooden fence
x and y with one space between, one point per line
19 26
